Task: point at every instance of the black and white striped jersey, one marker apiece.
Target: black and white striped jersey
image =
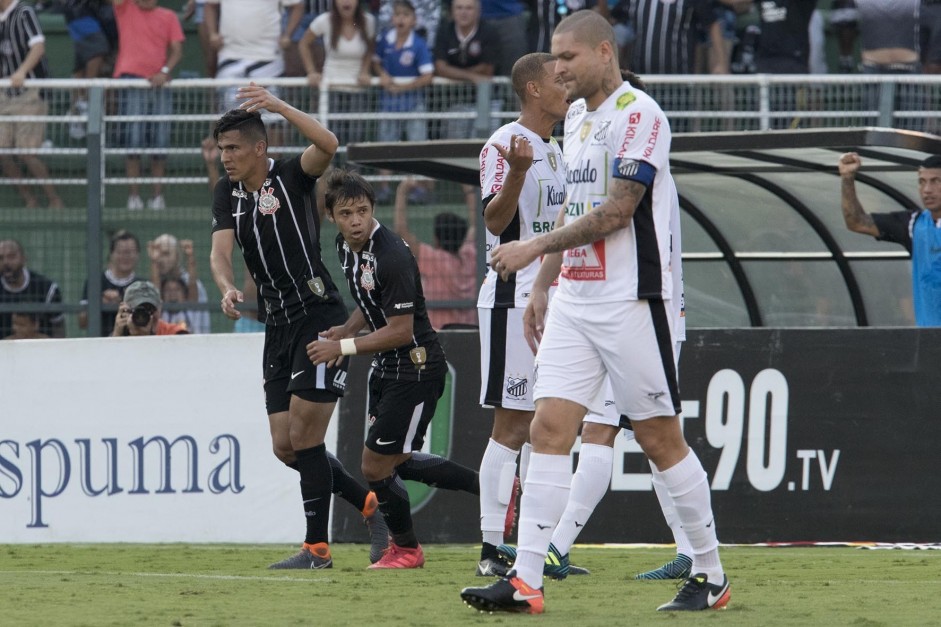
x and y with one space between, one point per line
384 280
667 33
278 230
19 31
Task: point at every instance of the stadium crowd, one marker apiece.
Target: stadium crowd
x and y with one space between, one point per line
400 45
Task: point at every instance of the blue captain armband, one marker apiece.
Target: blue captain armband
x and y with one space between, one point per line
633 170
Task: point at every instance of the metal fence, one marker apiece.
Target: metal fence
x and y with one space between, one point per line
64 195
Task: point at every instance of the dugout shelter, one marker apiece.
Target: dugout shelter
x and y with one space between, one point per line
764 243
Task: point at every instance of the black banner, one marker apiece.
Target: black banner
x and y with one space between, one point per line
806 435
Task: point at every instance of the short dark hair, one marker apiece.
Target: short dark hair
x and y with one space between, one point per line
529 67
450 231
173 279
405 4
932 162
346 185
122 235
247 122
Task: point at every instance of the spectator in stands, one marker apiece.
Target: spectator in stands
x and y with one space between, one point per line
405 67
150 46
543 16
665 35
139 313
19 284
844 19
918 231
123 256
347 34
25 326
931 36
427 18
249 38
784 45
23 57
196 10
293 66
449 268
888 36
94 37
508 20
666 42
166 254
466 50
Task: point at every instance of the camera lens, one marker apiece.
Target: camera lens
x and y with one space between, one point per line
141 314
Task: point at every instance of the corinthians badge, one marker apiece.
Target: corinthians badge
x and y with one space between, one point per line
267 202
367 280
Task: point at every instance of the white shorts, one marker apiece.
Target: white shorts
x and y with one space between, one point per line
611 416
631 341
506 361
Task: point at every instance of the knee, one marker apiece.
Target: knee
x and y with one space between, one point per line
284 455
552 438
511 429
664 447
594 433
375 467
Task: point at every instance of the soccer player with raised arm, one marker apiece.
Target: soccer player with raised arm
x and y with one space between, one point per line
268 207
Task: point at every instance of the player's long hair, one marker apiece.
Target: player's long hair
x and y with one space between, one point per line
634 80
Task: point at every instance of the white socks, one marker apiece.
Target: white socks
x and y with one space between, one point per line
548 482
669 513
589 485
688 486
497 471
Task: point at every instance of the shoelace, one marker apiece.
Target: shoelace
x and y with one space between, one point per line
690 588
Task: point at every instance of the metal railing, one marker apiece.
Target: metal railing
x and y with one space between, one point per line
85 150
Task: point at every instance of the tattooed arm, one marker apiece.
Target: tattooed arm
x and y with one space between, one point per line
856 218
616 213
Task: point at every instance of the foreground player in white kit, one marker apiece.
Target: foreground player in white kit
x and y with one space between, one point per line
609 316
522 188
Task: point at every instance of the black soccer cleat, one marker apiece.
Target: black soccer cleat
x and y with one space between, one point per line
492 567
698 594
508 594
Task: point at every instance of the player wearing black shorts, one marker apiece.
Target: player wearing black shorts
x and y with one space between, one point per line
268 207
408 368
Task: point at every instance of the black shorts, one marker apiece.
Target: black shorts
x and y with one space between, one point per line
288 370
399 413
88 47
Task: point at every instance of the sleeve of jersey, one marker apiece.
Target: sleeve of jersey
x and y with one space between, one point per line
221 207
493 168
397 277
640 146
426 63
894 227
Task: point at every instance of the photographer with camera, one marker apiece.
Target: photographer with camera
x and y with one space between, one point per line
139 313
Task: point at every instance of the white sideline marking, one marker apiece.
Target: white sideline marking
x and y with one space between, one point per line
167 575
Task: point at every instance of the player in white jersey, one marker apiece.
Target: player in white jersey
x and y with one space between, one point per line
522 183
609 316
596 455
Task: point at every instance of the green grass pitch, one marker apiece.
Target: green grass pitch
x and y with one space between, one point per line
173 585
